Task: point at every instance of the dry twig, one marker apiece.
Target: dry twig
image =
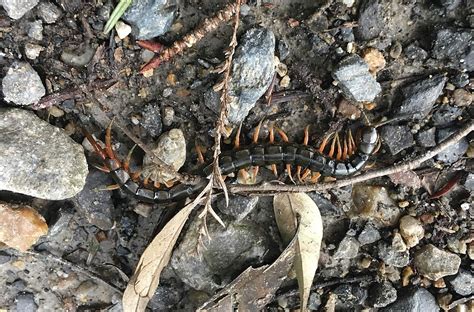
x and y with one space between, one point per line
208 25
269 189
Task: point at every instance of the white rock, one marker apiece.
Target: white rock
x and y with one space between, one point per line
411 230
123 30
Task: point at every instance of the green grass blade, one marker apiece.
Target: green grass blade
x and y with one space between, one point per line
119 10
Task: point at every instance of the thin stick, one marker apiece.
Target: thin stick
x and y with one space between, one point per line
410 165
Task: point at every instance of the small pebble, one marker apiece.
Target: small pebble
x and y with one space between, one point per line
462 97
285 82
55 111
22 85
396 50
281 69
168 116
403 204
48 12
32 51
123 30
35 30
374 58
398 244
411 230
434 263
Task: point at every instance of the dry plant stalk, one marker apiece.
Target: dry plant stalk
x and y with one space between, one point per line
208 25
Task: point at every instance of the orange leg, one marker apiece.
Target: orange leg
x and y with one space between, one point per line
333 145
352 145
298 173
339 149
237 137
108 142
271 135
377 148
136 175
306 135
324 143
315 177
288 169
257 132
156 184
244 175
306 173
200 156
274 169
102 168
282 134
94 144
345 149
146 182
126 163
169 183
255 172
110 187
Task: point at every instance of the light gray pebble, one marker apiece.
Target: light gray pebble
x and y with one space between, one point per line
22 85
17 8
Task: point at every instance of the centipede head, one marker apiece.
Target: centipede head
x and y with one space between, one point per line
368 140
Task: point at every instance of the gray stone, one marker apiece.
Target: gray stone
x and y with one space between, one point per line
354 79
397 138
314 301
420 96
38 159
61 221
22 85
35 30
349 296
348 248
150 18
252 72
370 19
370 234
412 231
17 8
427 138
95 203
4 257
25 302
446 114
415 53
449 4
460 80
413 300
469 184
392 257
166 297
48 12
435 263
463 283
217 261
239 206
456 151
78 57
171 149
381 294
455 46
151 120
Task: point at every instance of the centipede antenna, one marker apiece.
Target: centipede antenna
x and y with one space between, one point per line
237 137
386 121
366 118
94 144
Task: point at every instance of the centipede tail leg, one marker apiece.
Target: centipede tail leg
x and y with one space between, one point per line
282 134
378 146
315 177
94 144
324 143
200 156
108 143
237 137
169 184
333 145
345 148
102 168
339 148
126 163
306 173
257 132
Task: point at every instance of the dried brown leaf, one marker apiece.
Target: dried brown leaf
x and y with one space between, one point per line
298 211
156 256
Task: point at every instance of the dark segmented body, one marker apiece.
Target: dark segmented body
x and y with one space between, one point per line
256 155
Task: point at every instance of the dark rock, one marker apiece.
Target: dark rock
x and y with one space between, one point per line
94 204
463 283
52 165
318 45
413 300
469 184
397 138
427 138
239 206
460 80
48 12
445 115
381 294
150 18
252 72
348 248
19 284
420 96
349 296
392 257
166 297
370 19
17 8
216 261
456 47
25 302
151 120
449 4
314 301
4 257
455 151
283 50
435 263
22 85
415 53
354 79
370 234
347 34
61 221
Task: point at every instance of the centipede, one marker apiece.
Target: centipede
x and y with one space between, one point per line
337 156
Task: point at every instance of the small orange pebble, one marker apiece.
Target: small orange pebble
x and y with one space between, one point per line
293 23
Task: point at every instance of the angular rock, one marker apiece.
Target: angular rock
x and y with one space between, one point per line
435 263
381 294
25 302
469 183
397 138
415 53
17 8
463 283
370 19
48 12
454 152
239 206
35 30
411 230
354 79
20 226
427 138
349 296
446 114
393 257
171 149
22 85
455 46
151 120
4 257
420 96
95 203
252 72
460 80
462 97
38 159
373 203
150 18
370 234
413 300
348 248
227 253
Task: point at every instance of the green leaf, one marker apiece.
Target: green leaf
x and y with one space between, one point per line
117 14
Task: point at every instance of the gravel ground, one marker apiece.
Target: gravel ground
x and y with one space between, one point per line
388 244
